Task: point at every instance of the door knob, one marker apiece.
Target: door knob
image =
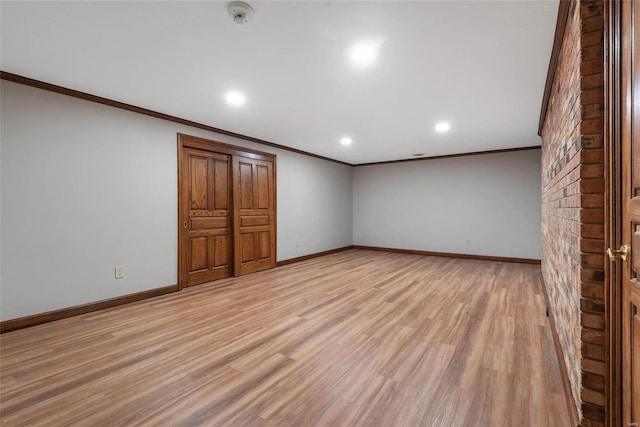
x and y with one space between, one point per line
622 253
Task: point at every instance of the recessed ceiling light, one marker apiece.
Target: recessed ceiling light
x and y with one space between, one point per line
442 127
363 54
346 141
235 98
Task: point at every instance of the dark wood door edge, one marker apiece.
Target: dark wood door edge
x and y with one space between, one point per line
50 316
451 255
566 383
613 212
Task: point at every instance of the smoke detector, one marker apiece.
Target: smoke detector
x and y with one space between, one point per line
240 12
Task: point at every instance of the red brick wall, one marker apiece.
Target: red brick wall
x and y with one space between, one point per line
573 206
561 144
592 258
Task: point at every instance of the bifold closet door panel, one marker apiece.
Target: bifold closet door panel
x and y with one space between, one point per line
209 249
254 215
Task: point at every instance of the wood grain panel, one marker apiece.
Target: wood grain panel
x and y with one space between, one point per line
221 185
221 250
209 223
198 190
247 247
199 253
349 339
245 193
209 232
264 245
255 228
262 183
253 221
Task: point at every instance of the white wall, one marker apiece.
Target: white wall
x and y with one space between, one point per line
86 187
491 200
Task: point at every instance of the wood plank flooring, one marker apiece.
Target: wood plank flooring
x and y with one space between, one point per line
354 338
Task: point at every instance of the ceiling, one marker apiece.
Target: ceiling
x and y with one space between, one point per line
480 65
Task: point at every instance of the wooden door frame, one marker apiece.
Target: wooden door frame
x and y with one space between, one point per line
189 141
613 210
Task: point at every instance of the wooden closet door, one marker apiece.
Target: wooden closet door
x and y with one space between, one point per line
254 215
630 127
205 178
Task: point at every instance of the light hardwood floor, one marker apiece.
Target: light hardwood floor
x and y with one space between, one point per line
354 338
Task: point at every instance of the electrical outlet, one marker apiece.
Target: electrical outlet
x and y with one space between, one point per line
119 272
297 244
468 242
